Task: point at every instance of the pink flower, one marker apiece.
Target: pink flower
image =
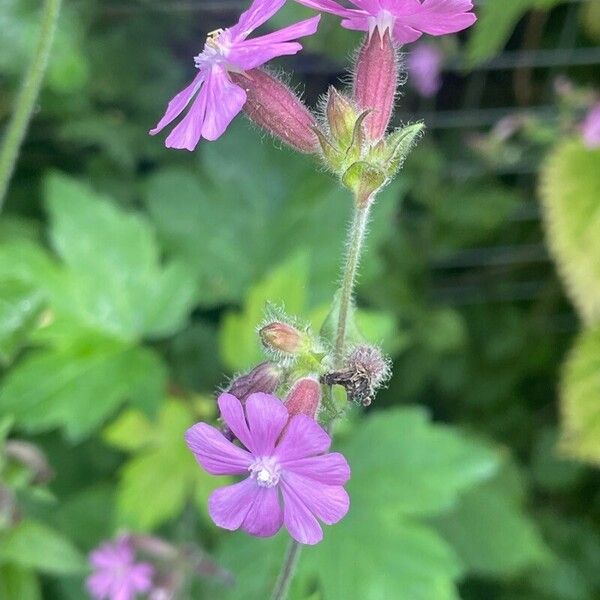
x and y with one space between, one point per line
286 463
407 20
216 99
590 128
116 576
424 65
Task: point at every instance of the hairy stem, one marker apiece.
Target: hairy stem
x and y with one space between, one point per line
287 571
354 250
27 96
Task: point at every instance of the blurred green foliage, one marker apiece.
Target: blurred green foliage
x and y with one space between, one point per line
132 279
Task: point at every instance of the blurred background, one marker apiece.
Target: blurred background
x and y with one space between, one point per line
132 278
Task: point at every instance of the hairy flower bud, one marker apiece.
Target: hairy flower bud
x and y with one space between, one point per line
304 398
375 82
281 337
273 106
365 370
341 117
265 378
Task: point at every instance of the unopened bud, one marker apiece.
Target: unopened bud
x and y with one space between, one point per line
341 116
365 370
281 337
304 398
265 378
375 82
273 106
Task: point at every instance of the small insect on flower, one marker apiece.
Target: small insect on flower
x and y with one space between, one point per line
406 20
290 479
216 98
116 575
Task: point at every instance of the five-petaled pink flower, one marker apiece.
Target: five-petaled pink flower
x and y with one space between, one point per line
217 99
287 464
590 128
116 575
407 20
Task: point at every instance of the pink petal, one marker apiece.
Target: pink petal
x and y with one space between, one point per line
356 23
140 577
299 521
403 34
233 414
290 33
329 503
302 438
99 584
331 469
265 517
228 506
329 6
224 100
216 454
260 12
188 132
438 17
267 417
178 103
373 6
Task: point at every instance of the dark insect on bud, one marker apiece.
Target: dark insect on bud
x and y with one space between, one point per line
365 370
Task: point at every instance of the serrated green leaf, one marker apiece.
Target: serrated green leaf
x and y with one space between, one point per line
80 385
163 470
33 545
580 399
570 193
404 469
114 280
18 584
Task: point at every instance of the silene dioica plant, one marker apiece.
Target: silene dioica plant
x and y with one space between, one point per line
277 419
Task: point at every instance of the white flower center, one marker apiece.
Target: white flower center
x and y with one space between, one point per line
384 21
266 471
216 49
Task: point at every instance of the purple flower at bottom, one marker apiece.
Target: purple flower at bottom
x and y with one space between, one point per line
292 480
590 128
425 65
116 575
216 99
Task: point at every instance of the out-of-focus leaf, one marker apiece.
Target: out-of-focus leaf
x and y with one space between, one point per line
403 469
580 399
491 533
115 281
78 386
20 306
495 23
570 193
33 545
163 475
17 583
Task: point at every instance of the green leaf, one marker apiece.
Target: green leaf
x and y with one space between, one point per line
284 287
163 470
114 280
33 545
580 399
20 307
78 386
18 584
495 23
491 533
404 469
570 193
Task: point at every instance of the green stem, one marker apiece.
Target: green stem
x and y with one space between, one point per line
355 246
27 96
286 574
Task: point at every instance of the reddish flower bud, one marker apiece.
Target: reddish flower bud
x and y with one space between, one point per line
375 82
265 378
341 117
281 337
304 398
273 106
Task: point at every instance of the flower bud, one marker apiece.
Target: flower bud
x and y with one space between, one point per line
375 82
265 378
273 106
304 398
341 117
365 370
281 337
